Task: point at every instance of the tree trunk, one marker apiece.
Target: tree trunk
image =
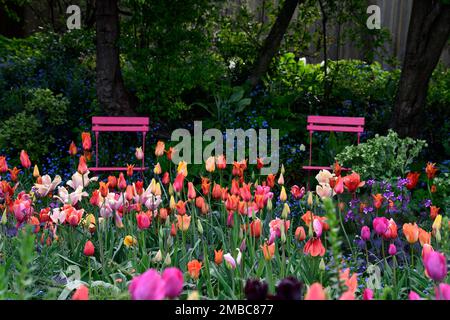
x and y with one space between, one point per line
273 41
429 30
111 92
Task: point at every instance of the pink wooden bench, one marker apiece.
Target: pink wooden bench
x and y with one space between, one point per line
119 124
331 124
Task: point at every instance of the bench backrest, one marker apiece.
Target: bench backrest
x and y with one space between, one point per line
133 124
336 124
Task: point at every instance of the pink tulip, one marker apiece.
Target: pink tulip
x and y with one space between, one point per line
380 225
174 282
392 249
414 296
443 291
317 226
316 292
24 159
368 294
191 191
435 265
178 183
365 233
148 286
230 260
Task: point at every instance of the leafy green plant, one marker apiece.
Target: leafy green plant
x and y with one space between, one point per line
382 157
225 108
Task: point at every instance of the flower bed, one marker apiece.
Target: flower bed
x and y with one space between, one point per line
229 233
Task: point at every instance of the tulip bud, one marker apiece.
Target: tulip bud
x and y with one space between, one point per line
89 249
282 169
269 204
167 260
4 217
310 199
199 227
158 257
171 189
281 179
283 195
172 203
36 171
157 169
283 235
322 265
285 212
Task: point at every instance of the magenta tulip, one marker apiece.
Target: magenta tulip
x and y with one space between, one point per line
174 282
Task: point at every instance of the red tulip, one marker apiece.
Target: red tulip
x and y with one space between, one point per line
89 249
24 159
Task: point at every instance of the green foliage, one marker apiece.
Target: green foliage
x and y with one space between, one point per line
34 128
382 156
226 108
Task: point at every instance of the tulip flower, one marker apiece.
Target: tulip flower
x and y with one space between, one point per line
3 165
139 154
148 286
82 293
365 233
339 186
129 241
377 200
297 192
300 234
316 292
352 182
281 180
229 260
82 166
210 164
181 207
184 222
206 186
380 225
413 179
411 232
317 226
89 249
218 256
157 169
392 249
442 291
268 251
86 140
435 265
413 296
194 268
424 237
270 180
324 176
130 169
178 183
314 247
255 228
434 212
221 162
182 168
24 159
173 278
431 170
143 220
159 150
283 195
368 294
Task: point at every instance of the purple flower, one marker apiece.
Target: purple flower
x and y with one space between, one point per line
174 282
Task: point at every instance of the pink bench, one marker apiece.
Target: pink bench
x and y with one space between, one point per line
331 124
119 124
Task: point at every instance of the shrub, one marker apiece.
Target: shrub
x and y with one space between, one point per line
382 157
36 127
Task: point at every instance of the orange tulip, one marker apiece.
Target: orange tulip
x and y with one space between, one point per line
24 159
210 164
216 192
191 191
377 200
218 256
268 251
104 190
424 237
184 222
130 168
14 172
169 153
194 268
270 180
314 247
112 182
86 140
3 165
159 150
411 232
431 170
181 207
337 169
206 185
434 211
73 149
350 282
